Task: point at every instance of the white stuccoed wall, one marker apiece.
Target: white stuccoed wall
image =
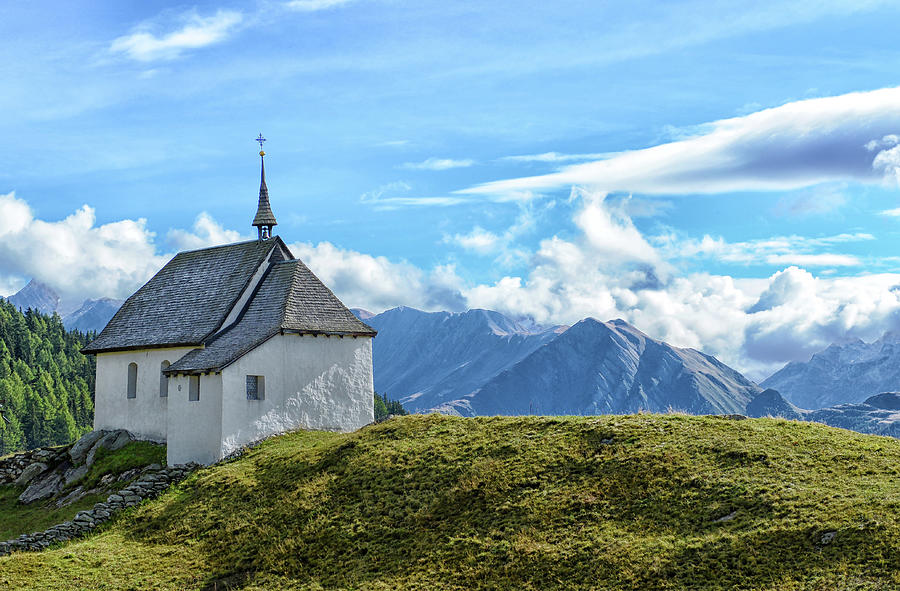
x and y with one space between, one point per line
311 382
195 428
145 415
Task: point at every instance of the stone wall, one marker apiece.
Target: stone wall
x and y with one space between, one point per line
45 472
150 484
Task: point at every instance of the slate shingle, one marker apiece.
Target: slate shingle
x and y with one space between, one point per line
289 298
187 299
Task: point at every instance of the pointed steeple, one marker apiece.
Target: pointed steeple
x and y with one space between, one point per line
264 219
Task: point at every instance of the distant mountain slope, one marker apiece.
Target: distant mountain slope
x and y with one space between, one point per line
92 315
842 373
36 296
877 415
425 359
610 367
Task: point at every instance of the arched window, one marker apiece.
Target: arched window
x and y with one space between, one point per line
194 388
132 380
163 380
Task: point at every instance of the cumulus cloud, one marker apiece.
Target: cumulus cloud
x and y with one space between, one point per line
437 164
73 255
205 232
800 144
193 32
478 240
376 283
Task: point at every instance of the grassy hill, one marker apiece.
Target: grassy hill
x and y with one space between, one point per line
434 502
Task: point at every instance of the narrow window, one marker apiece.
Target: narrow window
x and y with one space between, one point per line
132 380
194 389
163 380
256 388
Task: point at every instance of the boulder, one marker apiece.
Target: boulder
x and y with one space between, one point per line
42 488
112 441
80 448
29 473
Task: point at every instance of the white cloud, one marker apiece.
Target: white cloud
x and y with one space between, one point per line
73 255
376 283
894 213
437 164
385 197
194 32
315 5
205 232
556 157
799 144
778 250
478 240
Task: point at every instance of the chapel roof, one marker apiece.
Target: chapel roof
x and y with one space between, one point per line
290 298
187 299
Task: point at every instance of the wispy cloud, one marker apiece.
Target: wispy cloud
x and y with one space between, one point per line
554 157
388 196
194 32
437 164
315 5
800 144
778 251
894 213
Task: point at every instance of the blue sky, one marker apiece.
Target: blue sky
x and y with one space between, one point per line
723 175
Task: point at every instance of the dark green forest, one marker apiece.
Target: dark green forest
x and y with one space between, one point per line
46 384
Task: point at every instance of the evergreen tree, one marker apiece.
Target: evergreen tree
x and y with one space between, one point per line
46 384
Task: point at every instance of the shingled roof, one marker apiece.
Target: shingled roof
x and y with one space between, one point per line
188 299
290 298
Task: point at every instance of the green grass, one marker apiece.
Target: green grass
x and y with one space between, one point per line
136 454
17 519
433 502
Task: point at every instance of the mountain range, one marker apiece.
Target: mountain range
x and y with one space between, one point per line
847 372
878 414
91 315
482 363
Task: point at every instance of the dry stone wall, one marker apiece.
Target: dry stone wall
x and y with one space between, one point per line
46 472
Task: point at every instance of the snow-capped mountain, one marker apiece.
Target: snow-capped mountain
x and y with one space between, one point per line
847 372
36 296
483 363
878 415
92 315
425 359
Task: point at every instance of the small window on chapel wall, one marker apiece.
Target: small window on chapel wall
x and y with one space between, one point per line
132 380
256 387
194 388
163 380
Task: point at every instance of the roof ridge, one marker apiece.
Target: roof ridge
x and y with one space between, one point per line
219 246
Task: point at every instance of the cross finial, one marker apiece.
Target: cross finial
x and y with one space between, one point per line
261 139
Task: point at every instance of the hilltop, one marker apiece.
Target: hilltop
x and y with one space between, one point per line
438 502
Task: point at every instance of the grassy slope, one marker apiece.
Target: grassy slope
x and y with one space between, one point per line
431 502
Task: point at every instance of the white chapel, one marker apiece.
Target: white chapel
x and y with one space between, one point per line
229 344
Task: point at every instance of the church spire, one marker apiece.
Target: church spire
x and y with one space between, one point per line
264 219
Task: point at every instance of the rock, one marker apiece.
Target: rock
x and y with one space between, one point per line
71 497
111 441
827 537
728 517
29 473
73 474
80 448
43 488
